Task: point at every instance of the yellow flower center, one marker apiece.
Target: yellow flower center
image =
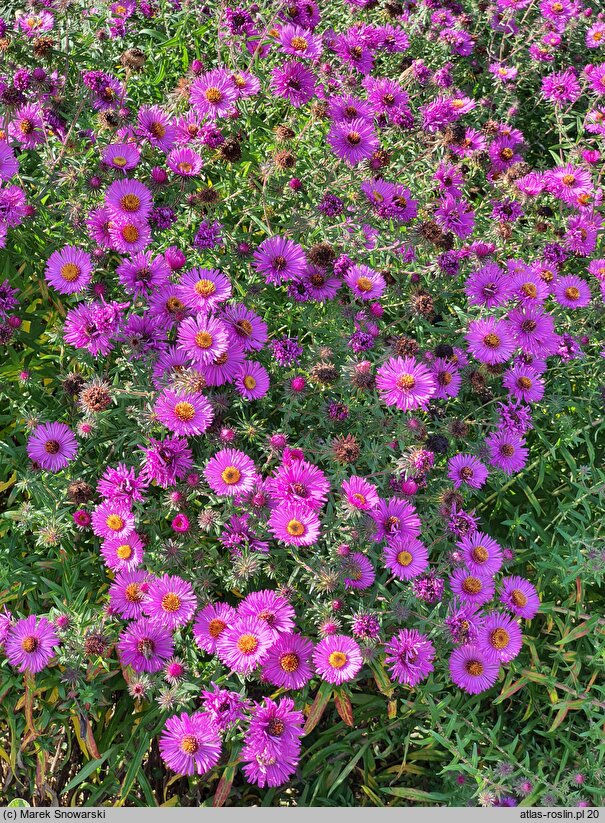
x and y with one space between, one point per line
231 475
474 668
359 498
247 644
289 662
364 284
204 287
295 528
572 293
115 522
130 234
171 602
133 593
499 638
480 554
189 744
299 44
518 598
124 551
337 660
216 626
472 585
406 382
249 382
30 644
213 95
404 558
70 272
130 202
184 167
524 383
120 162
184 411
203 339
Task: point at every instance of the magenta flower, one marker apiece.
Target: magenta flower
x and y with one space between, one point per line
204 289
128 198
572 292
365 283
204 338
210 623
129 235
447 377
490 341
171 601
121 156
293 81
299 482
395 518
279 260
182 413
190 743
500 637
404 383
122 553
246 326
471 669
52 446
155 125
337 659
69 270
507 451
520 597
466 470
360 494
30 644
300 42
406 557
409 656
252 381
472 588
184 162
295 524
230 472
524 383
166 461
357 571
112 518
244 644
482 556
353 142
271 608
213 94
127 593
145 645
288 663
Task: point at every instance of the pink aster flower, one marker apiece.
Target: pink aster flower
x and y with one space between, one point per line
30 644
145 645
190 743
112 518
230 472
69 270
295 524
204 289
572 292
252 380
406 557
337 659
447 377
500 637
203 337
299 482
213 95
122 553
365 283
210 623
490 341
121 156
288 663
360 494
156 126
171 601
128 198
183 413
244 644
353 142
520 597
271 608
300 42
472 670
294 82
129 235
52 446
127 593
246 326
405 383
409 656
481 555
472 588
185 162
464 469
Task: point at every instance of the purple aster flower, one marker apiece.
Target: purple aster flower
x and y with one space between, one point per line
300 42
122 553
30 644
166 461
145 645
480 554
357 572
226 366
155 125
472 588
52 446
463 621
456 216
406 557
224 707
464 469
128 591
471 670
183 413
27 127
121 156
428 588
490 341
299 482
252 381
121 484
507 451
213 94
247 327
170 601
184 162
365 283
360 494
447 377
208 235
294 82
270 607
395 518
409 656
128 198
487 286
143 273
404 383
524 383
286 350
520 597
275 727
210 623
190 743
203 337
294 524
9 165
288 663
353 142
337 659
561 88
203 290
230 472
365 626
279 260
129 235
69 270
244 644
112 518
500 638
572 292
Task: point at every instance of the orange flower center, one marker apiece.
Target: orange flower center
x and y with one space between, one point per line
184 411
231 475
130 234
472 585
518 598
204 287
249 382
124 551
524 383
30 644
364 284
572 293
51 446
289 662
216 626
529 290
480 554
203 339
499 638
213 95
247 644
491 340
133 593
157 129
474 668
115 522
189 744
171 602
295 528
130 202
70 272
404 558
337 660
120 162
354 138
299 44
406 382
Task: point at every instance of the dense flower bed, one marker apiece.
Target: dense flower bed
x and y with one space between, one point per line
295 298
